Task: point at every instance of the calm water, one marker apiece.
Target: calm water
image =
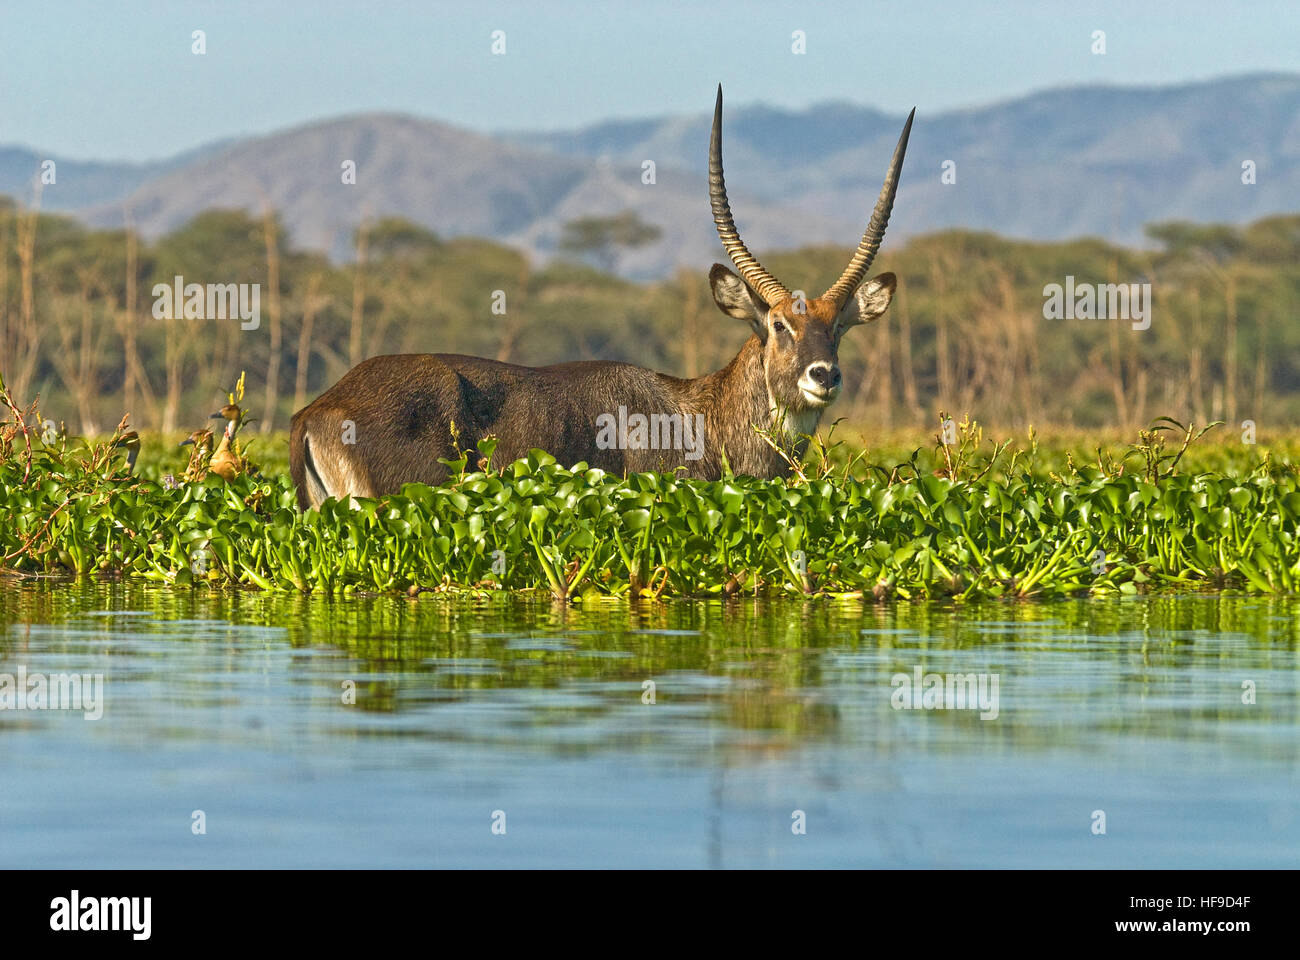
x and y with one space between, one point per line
234 706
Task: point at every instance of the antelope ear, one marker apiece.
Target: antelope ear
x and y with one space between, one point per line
869 301
736 298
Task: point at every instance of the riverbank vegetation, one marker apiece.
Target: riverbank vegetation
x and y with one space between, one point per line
963 517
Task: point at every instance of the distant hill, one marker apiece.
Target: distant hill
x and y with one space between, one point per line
448 179
1092 160
79 185
1084 160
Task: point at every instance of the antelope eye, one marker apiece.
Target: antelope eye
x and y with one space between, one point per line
778 326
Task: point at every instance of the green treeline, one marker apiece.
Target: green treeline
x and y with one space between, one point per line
966 333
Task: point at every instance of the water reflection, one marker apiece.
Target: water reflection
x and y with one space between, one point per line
684 733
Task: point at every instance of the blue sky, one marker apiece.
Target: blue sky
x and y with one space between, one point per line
117 80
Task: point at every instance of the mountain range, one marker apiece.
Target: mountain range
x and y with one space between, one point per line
1092 160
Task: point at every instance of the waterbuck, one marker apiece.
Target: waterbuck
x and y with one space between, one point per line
392 418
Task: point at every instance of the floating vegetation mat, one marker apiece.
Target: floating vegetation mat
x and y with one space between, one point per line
586 535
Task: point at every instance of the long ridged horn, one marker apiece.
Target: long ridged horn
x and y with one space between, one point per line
767 286
866 252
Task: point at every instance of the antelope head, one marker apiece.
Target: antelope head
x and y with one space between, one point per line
800 338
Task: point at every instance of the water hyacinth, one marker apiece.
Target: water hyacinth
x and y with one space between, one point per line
583 534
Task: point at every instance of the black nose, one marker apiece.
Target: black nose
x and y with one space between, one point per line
827 378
